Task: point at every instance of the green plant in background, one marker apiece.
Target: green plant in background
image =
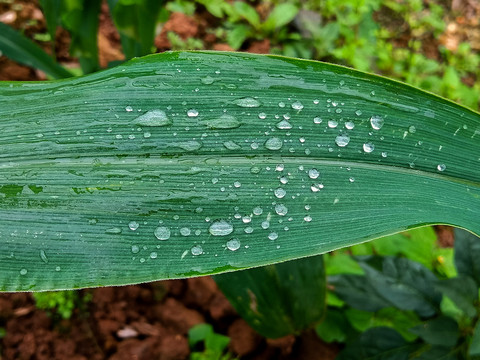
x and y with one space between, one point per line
427 316
61 303
214 345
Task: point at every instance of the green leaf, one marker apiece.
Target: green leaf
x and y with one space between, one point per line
89 197
436 353
136 22
463 291
442 331
247 12
22 50
278 300
379 343
467 253
474 349
280 16
334 327
80 18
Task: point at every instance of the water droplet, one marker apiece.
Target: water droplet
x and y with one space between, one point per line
376 122
284 180
384 154
233 244
265 224
358 112
281 104
192 113
153 255
349 125
246 219
342 140
441 167
133 225
262 115
231 145
57 268
129 109
114 230
352 179
307 218
412 129
273 236
284 125
191 145
197 250
223 122
332 124
280 193
313 173
248 230
317 120
135 249
368 147
297 105
316 187
247 102
274 144
153 118
237 184
220 228
281 209
207 80
23 272
162 233
279 167
185 231
258 210
43 256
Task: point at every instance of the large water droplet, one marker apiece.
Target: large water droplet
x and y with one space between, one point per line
191 145
223 122
280 193
192 113
207 80
273 236
332 124
257 210
162 233
284 125
342 140
349 125
231 145
317 120
196 250
153 118
133 225
185 231
376 122
220 228
313 173
233 244
274 144
23 272
368 147
281 209
135 249
297 105
441 167
247 102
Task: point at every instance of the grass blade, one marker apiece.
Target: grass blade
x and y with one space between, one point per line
22 50
146 171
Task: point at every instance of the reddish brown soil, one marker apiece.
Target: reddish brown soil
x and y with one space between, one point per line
148 321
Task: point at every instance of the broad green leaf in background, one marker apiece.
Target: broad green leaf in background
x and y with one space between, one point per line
462 290
280 299
148 170
21 49
474 349
378 343
467 254
441 331
136 22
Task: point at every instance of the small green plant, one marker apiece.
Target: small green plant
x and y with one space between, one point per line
208 345
61 303
401 308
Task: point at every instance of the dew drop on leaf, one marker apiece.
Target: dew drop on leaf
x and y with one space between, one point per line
220 228
133 225
332 124
281 209
135 249
274 144
43 256
441 167
368 147
233 244
273 236
376 122
284 125
247 102
231 145
162 233
313 173
297 105
197 250
153 118
280 193
192 113
342 140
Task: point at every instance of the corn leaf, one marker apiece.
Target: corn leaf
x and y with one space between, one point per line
192 163
21 49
